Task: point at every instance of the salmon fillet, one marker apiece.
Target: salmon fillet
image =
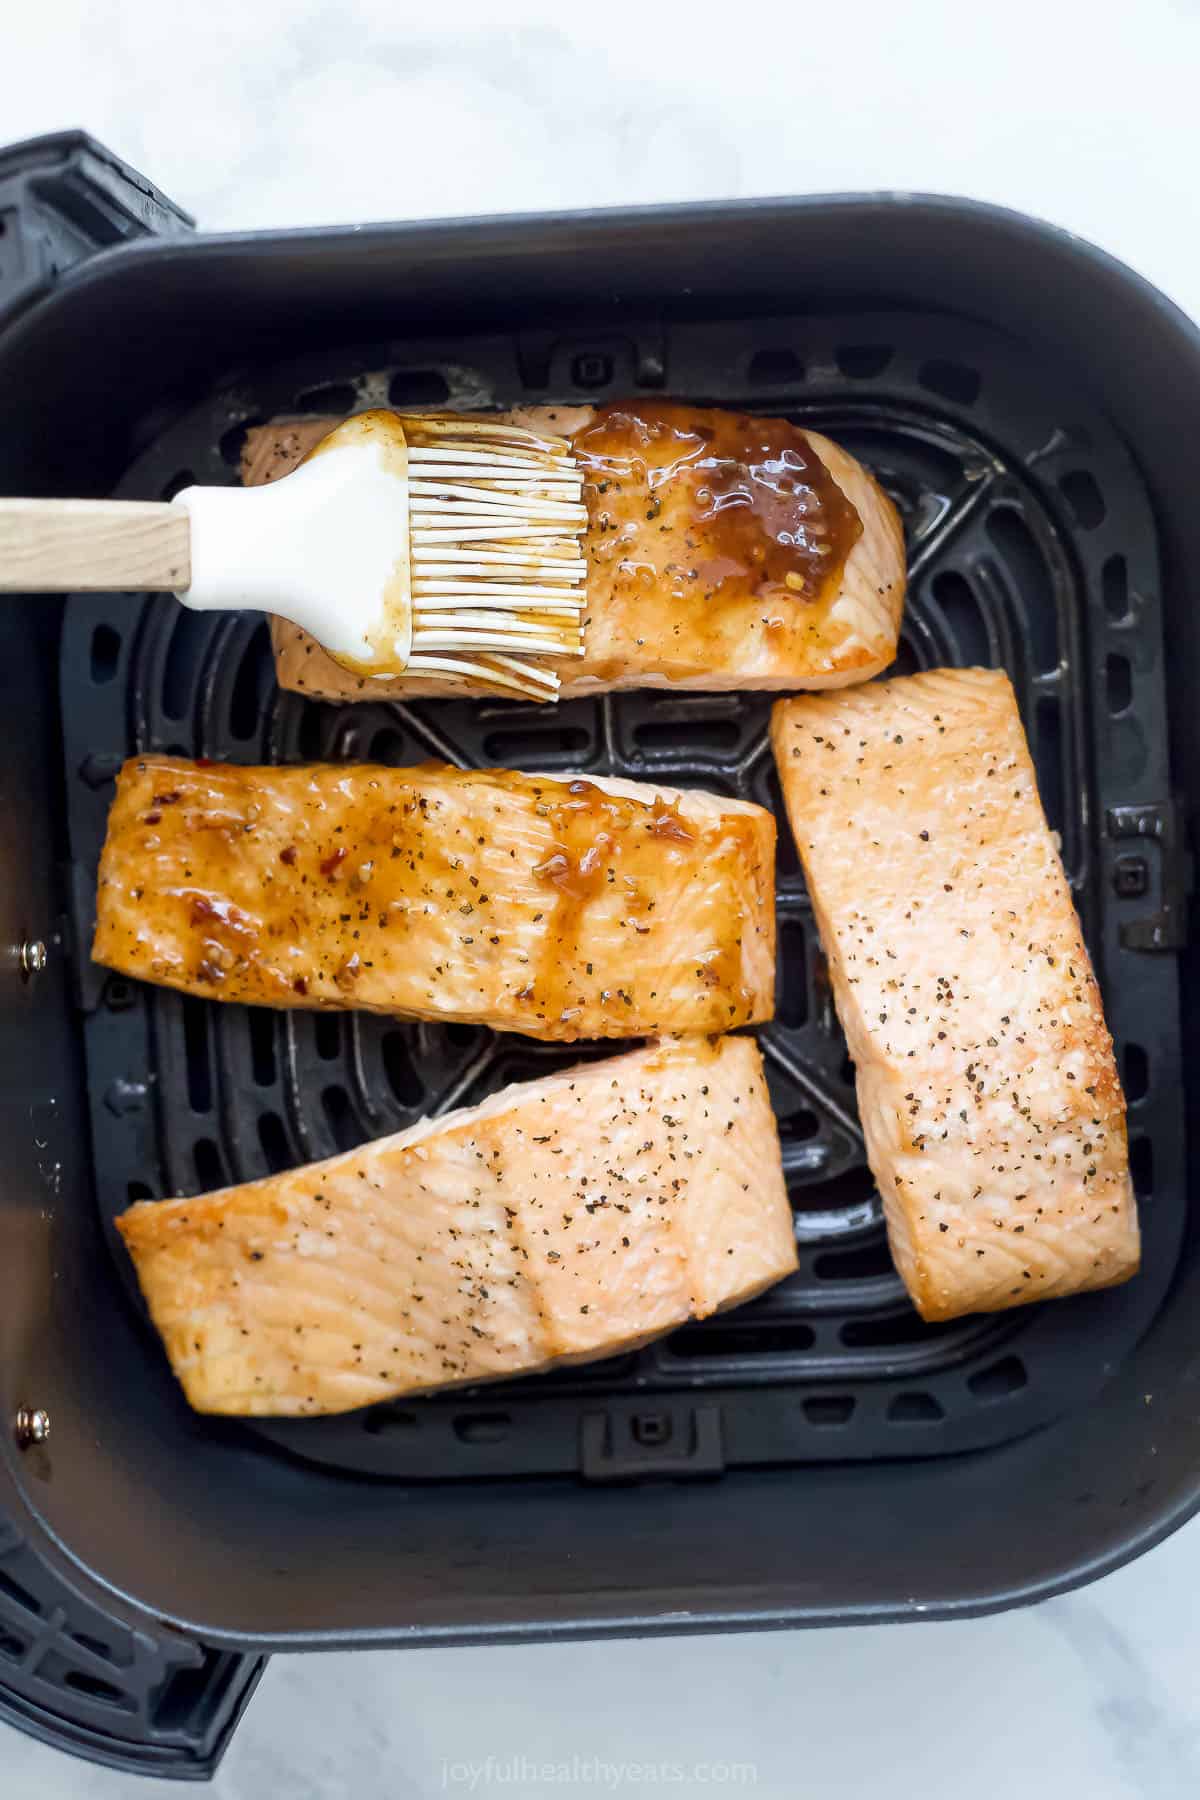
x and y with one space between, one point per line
989 1098
562 1220
723 551
558 908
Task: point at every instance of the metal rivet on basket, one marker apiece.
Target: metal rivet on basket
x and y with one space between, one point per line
32 957
31 1426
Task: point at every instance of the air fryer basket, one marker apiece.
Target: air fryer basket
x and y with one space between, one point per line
1031 545
979 364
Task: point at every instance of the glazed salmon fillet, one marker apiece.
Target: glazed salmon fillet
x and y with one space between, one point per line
724 551
987 1088
562 1220
558 908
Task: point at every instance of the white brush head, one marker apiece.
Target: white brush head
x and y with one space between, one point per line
428 547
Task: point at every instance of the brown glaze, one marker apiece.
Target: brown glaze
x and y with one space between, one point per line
605 840
762 511
549 907
716 541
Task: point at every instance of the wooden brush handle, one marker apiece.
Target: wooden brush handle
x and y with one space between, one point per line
62 546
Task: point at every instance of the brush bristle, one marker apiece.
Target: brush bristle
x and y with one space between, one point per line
496 517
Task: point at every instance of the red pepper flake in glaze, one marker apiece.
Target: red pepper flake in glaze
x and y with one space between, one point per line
348 974
300 985
331 863
153 818
288 856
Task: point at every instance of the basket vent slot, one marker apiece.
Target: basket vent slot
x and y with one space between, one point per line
106 654
915 1409
951 381
863 362
418 388
1114 583
999 1379
829 1409
336 398
771 368
1082 494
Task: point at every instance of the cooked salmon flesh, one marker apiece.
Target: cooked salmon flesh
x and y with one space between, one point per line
558 908
723 551
562 1220
987 1088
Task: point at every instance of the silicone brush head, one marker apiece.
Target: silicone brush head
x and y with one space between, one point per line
411 545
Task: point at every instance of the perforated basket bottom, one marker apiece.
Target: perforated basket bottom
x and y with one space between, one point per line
81 1678
1031 546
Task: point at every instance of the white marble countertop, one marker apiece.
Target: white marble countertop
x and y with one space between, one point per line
285 112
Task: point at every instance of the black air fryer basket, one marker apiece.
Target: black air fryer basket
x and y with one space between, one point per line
819 1455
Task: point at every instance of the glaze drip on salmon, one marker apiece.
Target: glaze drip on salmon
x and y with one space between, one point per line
711 533
561 909
724 551
987 1088
567 1219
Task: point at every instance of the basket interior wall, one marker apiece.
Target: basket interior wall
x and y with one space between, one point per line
200 1524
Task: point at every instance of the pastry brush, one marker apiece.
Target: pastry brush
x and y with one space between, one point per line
428 546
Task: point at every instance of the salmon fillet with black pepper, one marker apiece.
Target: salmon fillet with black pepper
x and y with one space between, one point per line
562 1220
558 908
987 1088
723 551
